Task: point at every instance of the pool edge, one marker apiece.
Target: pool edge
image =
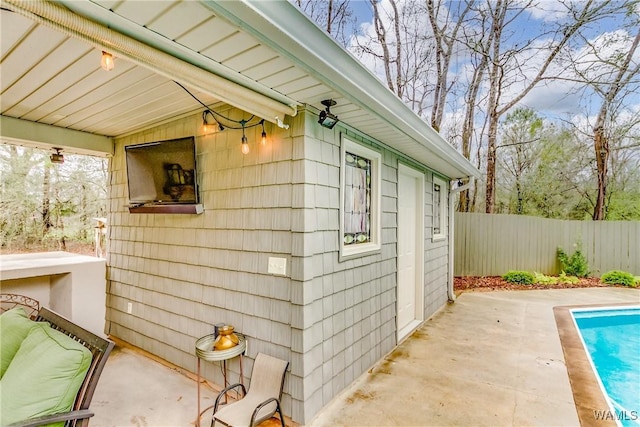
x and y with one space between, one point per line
587 394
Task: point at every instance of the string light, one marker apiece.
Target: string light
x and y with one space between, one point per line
210 127
106 62
217 117
263 138
245 143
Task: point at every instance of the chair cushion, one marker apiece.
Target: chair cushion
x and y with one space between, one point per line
44 376
14 328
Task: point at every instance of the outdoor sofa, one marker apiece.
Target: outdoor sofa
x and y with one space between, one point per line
49 368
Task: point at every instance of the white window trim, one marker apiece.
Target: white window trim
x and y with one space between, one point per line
442 235
374 245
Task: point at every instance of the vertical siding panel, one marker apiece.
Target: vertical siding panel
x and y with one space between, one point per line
495 262
589 245
634 250
621 238
490 262
601 246
608 242
621 262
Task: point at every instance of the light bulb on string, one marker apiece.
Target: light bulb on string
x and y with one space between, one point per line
245 142
106 62
245 145
263 139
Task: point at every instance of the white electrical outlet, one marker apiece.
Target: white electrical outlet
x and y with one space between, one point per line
129 307
277 266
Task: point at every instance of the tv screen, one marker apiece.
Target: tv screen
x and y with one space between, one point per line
162 172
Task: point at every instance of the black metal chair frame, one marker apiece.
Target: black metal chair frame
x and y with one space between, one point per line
9 301
226 390
100 349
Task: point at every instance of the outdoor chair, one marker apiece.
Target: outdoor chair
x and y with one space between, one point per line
262 400
9 301
49 386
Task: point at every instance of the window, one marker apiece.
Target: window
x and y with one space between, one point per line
360 210
439 209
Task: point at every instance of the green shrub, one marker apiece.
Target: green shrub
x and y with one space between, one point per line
542 279
521 277
574 265
617 277
566 279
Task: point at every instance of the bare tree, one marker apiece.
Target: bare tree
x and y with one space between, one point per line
335 16
478 39
508 66
391 58
402 49
44 204
445 34
474 62
520 134
610 91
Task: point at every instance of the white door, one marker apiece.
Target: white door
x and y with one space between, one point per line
410 249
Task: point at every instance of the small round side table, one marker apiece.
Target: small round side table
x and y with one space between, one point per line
205 351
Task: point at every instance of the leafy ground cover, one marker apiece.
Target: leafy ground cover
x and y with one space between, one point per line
497 283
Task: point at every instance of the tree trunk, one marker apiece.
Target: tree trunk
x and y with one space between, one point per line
46 199
84 218
601 145
59 221
469 124
600 138
444 41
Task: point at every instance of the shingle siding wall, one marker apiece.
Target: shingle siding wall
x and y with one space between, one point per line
436 255
332 320
350 307
184 273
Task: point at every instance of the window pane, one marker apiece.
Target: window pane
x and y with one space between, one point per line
357 199
436 209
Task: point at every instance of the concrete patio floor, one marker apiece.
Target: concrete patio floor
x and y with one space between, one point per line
490 359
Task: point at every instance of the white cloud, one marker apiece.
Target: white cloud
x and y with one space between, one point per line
547 10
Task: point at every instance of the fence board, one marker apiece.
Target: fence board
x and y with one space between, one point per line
491 245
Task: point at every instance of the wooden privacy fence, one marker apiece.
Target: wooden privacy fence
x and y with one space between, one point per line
491 245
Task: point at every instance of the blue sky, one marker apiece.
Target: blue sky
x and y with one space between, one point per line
362 9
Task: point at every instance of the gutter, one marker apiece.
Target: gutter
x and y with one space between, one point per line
283 27
452 193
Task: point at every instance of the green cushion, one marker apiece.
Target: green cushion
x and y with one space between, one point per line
44 376
14 328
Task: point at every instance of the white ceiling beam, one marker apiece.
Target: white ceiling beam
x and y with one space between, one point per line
39 135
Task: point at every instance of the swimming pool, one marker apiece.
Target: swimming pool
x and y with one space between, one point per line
611 337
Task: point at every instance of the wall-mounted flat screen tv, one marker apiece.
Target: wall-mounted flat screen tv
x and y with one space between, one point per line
162 172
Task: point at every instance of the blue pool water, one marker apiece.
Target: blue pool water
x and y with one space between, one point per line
612 339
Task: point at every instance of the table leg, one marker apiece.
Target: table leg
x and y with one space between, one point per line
198 419
224 373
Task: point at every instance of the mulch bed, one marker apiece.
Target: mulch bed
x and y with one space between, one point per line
496 283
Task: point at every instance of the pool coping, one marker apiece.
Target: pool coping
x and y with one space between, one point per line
587 394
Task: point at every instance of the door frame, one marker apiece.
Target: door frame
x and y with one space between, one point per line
420 178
